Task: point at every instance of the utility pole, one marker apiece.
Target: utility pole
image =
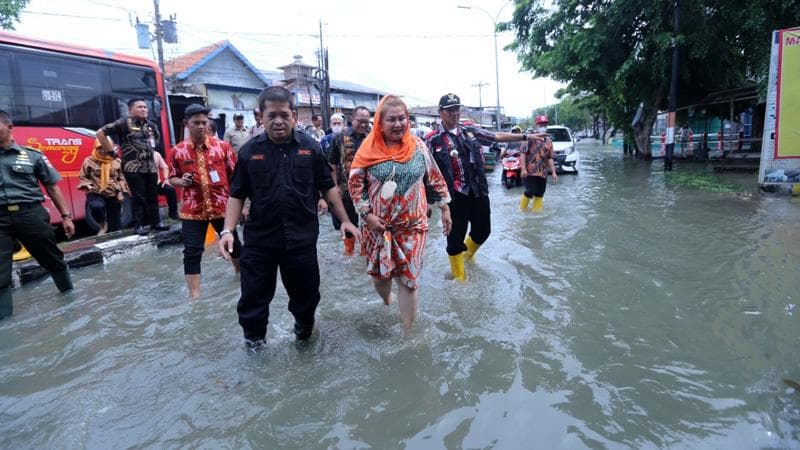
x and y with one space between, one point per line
673 92
479 85
159 38
323 82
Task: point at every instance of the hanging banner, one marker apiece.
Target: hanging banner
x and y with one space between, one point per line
780 152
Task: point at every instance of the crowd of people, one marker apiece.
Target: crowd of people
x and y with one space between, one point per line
379 182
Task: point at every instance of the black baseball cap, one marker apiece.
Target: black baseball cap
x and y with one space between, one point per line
195 108
449 101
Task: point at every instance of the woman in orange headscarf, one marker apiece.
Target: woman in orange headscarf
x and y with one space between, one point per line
392 180
104 184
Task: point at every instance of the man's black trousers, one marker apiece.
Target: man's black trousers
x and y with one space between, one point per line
300 276
468 210
144 197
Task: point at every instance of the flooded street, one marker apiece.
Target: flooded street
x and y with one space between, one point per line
641 309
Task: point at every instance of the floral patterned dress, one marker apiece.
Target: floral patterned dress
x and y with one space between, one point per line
397 252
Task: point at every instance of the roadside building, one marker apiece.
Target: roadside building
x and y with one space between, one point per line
298 78
220 77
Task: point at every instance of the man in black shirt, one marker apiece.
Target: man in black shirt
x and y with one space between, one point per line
282 172
137 139
457 151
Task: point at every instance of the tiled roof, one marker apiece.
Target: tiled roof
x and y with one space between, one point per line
185 62
183 66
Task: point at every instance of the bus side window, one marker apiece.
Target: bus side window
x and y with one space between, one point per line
7 102
61 92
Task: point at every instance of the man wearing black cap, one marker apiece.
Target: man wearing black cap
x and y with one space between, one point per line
457 151
203 167
237 135
138 139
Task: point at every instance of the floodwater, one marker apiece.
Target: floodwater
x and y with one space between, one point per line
639 310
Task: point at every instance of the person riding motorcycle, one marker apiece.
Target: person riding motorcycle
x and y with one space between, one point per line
512 148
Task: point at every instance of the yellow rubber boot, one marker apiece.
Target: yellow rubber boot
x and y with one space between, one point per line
21 254
457 267
537 204
472 247
523 202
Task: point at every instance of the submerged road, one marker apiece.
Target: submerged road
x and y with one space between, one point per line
641 309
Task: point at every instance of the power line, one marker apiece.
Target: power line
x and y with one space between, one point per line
267 34
73 16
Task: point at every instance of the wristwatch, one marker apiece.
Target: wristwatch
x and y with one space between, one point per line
224 232
66 215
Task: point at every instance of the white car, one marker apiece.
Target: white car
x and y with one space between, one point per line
564 148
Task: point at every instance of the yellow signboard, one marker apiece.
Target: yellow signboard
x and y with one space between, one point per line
787 136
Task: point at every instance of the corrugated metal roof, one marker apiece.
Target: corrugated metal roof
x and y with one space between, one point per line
353 87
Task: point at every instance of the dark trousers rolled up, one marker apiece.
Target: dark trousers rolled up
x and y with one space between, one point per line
144 196
468 210
31 226
172 199
104 209
300 276
193 233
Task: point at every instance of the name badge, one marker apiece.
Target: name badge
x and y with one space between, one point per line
214 176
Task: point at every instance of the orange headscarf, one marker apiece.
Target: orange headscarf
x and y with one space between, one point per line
374 149
105 163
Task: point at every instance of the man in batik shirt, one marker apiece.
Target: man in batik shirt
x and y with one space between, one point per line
203 167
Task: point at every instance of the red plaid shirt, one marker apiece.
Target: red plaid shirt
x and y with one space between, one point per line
212 165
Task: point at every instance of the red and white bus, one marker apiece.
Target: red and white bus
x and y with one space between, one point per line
58 96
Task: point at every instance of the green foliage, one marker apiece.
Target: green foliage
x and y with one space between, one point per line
9 12
621 50
575 111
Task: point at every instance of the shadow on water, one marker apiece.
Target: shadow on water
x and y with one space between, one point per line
638 310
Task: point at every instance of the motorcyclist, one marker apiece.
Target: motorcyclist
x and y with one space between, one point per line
512 148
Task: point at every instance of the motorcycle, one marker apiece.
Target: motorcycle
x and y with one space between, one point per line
511 171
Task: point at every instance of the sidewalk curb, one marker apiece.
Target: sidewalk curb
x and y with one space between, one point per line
93 250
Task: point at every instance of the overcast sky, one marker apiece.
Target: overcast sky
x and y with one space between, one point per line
420 49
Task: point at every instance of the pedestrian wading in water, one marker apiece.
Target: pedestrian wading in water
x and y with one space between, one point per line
392 180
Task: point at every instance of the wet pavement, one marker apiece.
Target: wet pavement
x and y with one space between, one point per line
639 310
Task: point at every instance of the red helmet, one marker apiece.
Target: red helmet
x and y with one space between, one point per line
541 119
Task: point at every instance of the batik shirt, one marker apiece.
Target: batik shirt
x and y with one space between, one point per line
212 165
537 160
137 139
343 150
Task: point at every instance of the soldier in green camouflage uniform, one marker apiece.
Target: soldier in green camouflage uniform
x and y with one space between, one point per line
22 216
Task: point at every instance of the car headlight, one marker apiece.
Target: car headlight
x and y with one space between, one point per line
569 150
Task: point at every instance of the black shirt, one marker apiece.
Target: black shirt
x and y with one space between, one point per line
466 173
283 182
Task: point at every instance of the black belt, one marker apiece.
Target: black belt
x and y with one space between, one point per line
17 207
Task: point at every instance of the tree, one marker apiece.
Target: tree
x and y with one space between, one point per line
9 12
620 50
